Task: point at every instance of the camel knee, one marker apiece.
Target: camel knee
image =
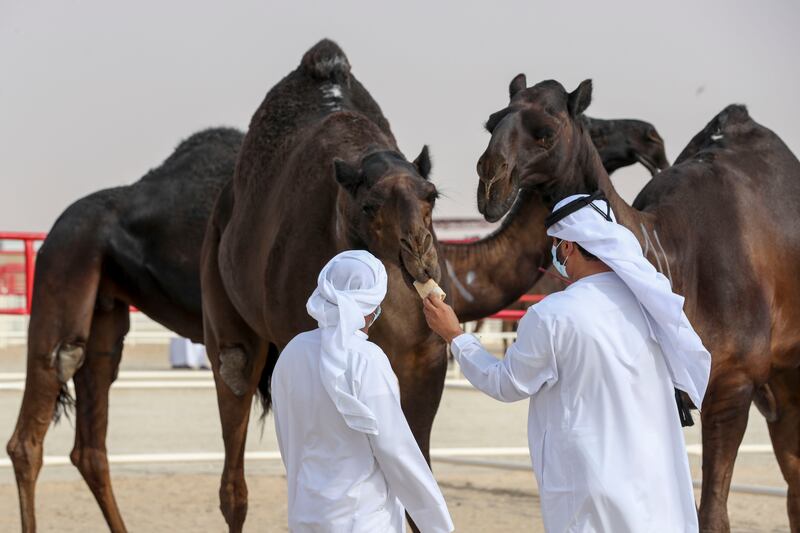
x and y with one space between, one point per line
68 358
233 369
92 464
26 456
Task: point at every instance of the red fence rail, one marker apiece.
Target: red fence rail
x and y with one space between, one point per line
10 272
16 279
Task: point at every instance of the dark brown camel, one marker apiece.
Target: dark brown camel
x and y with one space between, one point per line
134 245
722 224
620 143
319 172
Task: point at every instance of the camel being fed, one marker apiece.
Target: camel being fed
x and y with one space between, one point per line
134 245
722 224
319 172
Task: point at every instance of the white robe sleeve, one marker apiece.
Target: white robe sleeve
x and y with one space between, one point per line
529 363
399 456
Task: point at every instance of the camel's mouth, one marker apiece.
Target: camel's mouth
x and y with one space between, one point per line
417 269
649 164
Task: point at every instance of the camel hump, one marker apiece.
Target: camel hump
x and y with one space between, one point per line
326 61
733 114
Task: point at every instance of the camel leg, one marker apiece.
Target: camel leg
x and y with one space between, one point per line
237 357
92 383
26 445
785 435
724 416
421 378
59 326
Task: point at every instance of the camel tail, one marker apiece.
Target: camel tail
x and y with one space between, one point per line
264 384
325 61
65 404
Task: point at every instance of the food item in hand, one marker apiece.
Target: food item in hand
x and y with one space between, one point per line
429 287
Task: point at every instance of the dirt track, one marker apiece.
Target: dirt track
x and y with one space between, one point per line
183 496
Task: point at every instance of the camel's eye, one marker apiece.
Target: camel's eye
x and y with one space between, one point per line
542 133
533 124
369 210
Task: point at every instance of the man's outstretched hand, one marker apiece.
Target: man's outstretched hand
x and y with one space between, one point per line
441 318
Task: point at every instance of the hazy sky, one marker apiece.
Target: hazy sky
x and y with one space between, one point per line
94 93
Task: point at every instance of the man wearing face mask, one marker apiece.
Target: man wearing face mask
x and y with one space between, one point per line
598 363
351 461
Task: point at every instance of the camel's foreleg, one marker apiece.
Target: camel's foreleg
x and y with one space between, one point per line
724 416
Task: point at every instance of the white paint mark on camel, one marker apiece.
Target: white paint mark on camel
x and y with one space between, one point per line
716 136
649 244
332 95
666 259
457 283
471 277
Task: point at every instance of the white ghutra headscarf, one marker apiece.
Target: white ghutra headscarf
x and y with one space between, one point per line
688 360
351 286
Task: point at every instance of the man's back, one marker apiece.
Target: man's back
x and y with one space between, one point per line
330 468
604 431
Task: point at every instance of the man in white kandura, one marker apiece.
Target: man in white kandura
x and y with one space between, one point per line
599 361
352 464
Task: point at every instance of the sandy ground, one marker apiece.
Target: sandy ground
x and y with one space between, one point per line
183 496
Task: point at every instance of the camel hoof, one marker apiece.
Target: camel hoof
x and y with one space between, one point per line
232 364
68 359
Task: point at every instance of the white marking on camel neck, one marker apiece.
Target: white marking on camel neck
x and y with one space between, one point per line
716 136
649 244
666 259
457 283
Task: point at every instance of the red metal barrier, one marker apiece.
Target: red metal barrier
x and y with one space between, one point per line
13 270
10 272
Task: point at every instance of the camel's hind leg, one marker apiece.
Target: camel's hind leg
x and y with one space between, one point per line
785 434
57 334
92 383
26 445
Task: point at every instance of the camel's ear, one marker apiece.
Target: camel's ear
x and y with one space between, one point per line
347 176
423 162
580 98
519 83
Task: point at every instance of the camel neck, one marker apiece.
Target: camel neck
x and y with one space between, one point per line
595 176
486 276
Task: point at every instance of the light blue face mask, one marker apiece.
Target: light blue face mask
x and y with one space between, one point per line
377 314
560 267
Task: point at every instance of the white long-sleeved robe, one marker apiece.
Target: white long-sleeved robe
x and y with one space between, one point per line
342 480
603 428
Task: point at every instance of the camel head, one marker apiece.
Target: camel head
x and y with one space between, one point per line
390 208
533 138
624 142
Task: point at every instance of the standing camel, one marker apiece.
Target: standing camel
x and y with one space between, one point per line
319 172
620 143
133 245
722 224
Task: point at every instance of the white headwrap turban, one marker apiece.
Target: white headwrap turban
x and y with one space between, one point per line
351 286
688 360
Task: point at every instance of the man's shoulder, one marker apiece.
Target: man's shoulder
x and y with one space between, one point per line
312 336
